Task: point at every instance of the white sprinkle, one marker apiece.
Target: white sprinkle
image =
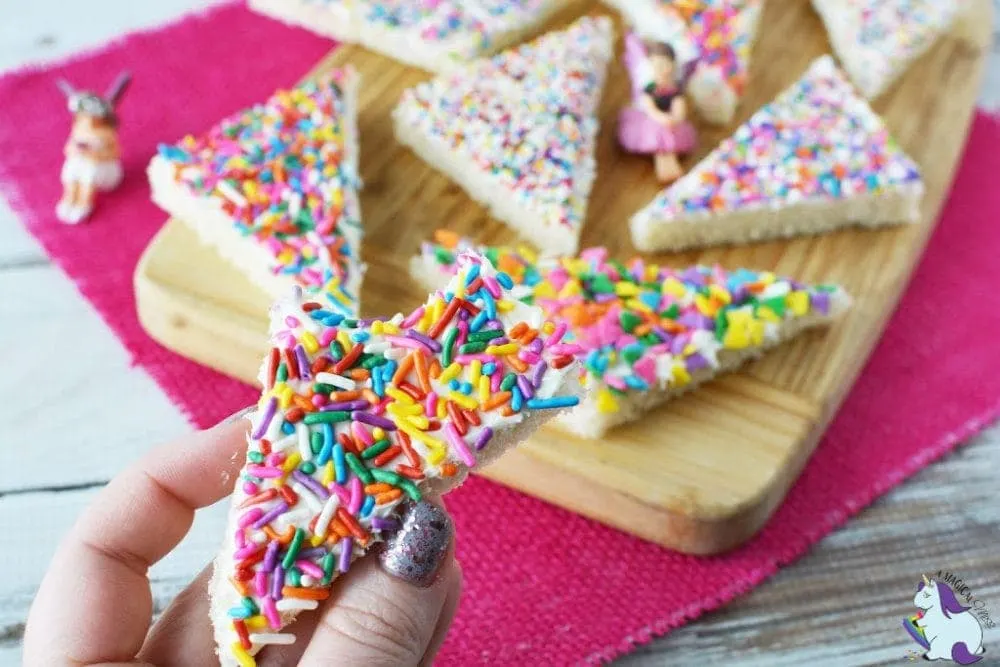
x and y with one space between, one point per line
230 193
293 604
259 537
327 514
306 581
336 380
284 443
307 495
264 638
305 449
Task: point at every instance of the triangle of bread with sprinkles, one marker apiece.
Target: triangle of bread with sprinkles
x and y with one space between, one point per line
518 131
877 40
815 159
646 333
356 417
274 189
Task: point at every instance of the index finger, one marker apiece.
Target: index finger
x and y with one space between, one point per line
94 604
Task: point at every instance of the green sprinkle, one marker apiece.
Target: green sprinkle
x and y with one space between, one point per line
309 467
508 381
376 449
332 417
410 489
321 388
449 344
394 479
250 606
316 444
336 350
776 304
443 256
632 353
373 361
359 468
350 324
485 335
673 312
255 457
282 373
327 569
472 348
629 320
293 548
721 324
293 577
601 284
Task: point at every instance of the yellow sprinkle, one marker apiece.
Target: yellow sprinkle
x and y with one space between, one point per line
548 327
720 294
276 391
736 338
767 315
505 306
475 371
390 328
327 473
309 342
450 373
766 278
466 402
400 396
674 287
436 456
420 421
442 411
502 350
705 305
257 622
292 462
528 254
317 540
544 290
437 310
422 436
570 289
378 433
626 289
286 397
377 328
250 189
681 376
484 388
689 349
403 411
460 290
798 302
344 341
606 401
242 657
635 304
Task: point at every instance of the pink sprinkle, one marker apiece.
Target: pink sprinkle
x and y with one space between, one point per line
492 286
529 358
403 341
495 381
458 444
250 516
319 400
646 369
328 336
260 583
557 335
430 405
362 434
264 472
275 459
246 552
616 382
341 492
240 538
412 318
271 612
292 321
250 488
357 492
309 568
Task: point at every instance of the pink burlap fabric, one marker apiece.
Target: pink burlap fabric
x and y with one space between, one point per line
543 586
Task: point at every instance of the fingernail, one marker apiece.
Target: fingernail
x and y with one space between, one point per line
242 414
415 553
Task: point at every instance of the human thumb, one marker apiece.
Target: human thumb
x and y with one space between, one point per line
394 609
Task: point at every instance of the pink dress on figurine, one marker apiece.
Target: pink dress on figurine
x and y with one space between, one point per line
638 132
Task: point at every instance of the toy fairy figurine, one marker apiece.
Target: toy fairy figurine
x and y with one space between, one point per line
93 156
655 123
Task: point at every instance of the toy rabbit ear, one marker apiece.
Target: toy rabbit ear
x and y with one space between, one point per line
927 581
66 87
118 88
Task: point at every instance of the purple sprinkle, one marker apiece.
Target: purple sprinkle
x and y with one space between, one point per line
696 321
373 420
311 484
277 581
678 344
536 346
740 294
661 333
313 553
346 546
426 340
693 276
265 421
821 302
270 556
696 362
484 437
604 298
300 355
268 517
526 390
364 324
346 406
538 374
381 525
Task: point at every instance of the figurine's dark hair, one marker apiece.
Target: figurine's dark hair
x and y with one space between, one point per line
661 49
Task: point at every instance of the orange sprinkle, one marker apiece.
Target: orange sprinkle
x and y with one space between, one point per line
360 374
320 365
435 369
642 329
518 330
411 455
447 238
388 497
283 539
388 455
405 366
303 403
294 415
446 317
449 470
343 396
370 396
507 411
516 363
380 487
456 417
420 365
472 417
348 443
305 593
240 586
409 472
496 400
352 525
528 337
349 358
337 531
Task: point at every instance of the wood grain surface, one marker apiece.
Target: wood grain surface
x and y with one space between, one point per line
704 473
947 516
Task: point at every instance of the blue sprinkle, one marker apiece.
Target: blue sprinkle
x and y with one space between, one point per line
478 321
466 388
287 428
239 612
454 385
633 382
360 336
504 280
326 453
340 463
472 274
554 402
516 399
489 368
369 505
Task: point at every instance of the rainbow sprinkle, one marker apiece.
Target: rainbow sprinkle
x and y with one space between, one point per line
876 40
640 326
356 414
524 122
285 173
816 141
438 33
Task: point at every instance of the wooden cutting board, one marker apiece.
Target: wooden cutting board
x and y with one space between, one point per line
704 473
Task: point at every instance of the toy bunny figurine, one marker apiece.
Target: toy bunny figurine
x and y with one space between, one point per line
93 156
655 122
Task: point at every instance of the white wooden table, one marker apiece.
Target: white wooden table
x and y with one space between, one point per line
841 605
